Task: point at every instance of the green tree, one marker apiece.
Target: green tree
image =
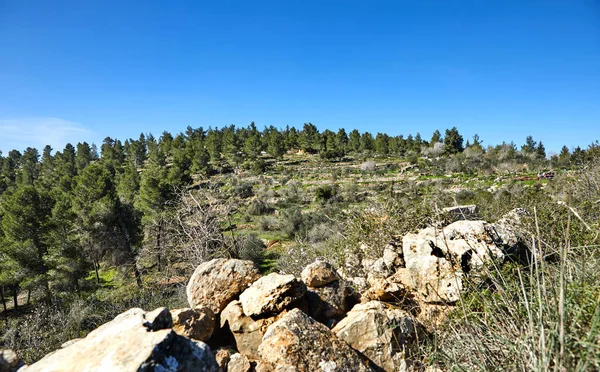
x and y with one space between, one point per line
540 151
309 138
453 141
354 141
26 224
366 142
435 138
529 146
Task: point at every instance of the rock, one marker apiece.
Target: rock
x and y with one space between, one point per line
379 331
158 319
297 342
248 333
318 274
271 294
462 212
331 302
217 282
238 363
131 342
384 289
69 343
222 357
438 259
391 258
9 361
198 323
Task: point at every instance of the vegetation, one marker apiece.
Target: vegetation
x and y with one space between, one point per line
85 235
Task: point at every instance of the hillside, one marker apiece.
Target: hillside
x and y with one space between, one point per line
87 236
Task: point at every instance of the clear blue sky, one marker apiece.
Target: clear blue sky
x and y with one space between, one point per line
84 70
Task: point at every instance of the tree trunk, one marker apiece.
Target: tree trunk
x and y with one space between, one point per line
15 297
96 267
28 296
158 248
2 297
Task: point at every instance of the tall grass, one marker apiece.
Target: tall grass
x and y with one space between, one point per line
542 316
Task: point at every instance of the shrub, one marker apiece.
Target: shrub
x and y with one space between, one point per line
259 207
251 247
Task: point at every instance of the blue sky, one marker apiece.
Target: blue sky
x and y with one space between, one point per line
84 70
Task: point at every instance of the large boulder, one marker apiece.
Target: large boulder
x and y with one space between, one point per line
9 361
297 342
217 282
319 274
380 332
198 323
272 294
133 341
248 333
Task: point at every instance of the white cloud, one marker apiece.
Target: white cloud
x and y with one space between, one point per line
20 133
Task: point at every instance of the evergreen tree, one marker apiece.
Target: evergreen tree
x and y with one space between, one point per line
309 138
366 142
530 145
540 151
26 224
453 141
354 141
381 143
435 138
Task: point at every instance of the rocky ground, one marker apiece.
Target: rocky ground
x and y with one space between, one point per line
238 320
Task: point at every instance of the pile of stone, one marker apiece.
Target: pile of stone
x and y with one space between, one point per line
239 320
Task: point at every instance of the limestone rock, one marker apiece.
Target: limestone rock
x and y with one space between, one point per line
248 333
297 342
384 289
439 258
391 257
379 331
318 274
331 301
215 283
198 323
238 363
9 361
131 342
271 294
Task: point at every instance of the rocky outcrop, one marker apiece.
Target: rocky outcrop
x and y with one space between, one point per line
198 323
296 342
217 282
319 274
248 333
380 332
133 341
438 259
272 294
9 361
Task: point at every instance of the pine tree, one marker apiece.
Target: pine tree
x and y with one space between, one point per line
435 138
26 224
354 141
309 138
453 141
